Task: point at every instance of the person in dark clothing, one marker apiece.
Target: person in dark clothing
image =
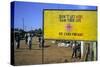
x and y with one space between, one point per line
79 50
26 39
17 38
87 53
42 42
39 39
74 53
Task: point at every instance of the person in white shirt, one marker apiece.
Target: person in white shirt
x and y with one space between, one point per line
29 41
26 38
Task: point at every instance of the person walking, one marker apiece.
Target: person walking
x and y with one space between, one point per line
17 39
26 38
40 41
30 41
87 52
79 50
74 48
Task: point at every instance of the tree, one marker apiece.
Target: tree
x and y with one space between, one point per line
38 32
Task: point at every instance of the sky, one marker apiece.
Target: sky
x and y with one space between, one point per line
31 13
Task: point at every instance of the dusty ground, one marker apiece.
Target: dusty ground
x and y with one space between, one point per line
50 54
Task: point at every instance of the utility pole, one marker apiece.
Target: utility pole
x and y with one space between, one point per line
23 23
25 28
31 28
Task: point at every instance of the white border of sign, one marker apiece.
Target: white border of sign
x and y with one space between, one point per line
5 32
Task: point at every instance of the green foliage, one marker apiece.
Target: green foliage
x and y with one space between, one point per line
37 32
21 32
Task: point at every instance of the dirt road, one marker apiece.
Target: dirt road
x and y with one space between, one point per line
51 53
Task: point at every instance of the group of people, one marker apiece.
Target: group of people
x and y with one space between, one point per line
28 40
76 50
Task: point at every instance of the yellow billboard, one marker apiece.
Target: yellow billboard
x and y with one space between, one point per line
70 25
